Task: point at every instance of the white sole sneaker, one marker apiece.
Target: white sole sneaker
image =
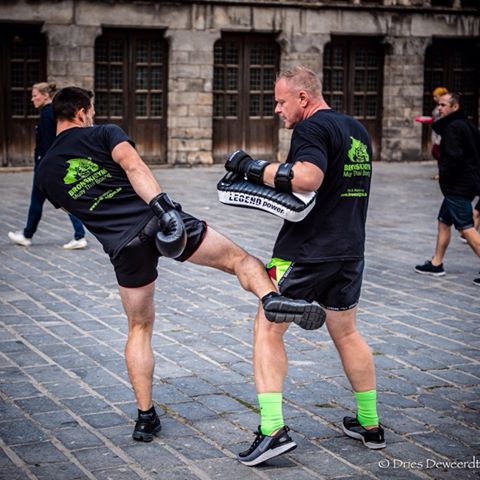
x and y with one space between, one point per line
19 239
76 244
432 274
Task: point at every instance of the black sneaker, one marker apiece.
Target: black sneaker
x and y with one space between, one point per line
428 269
265 447
373 438
146 427
476 281
280 309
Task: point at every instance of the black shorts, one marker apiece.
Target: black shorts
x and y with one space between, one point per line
456 211
334 285
136 263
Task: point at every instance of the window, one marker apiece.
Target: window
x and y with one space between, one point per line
131 87
244 73
353 81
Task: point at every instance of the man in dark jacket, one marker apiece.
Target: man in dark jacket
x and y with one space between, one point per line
459 168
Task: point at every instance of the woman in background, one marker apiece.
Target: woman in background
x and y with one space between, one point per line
45 132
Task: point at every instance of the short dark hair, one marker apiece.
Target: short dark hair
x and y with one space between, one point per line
69 100
454 98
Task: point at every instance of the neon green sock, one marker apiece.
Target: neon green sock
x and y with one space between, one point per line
271 416
367 408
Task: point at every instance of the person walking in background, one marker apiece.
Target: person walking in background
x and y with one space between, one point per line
435 138
459 168
45 132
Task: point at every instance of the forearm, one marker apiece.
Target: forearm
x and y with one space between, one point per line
301 177
143 181
140 176
303 181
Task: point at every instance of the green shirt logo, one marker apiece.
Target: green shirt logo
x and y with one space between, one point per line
79 168
358 152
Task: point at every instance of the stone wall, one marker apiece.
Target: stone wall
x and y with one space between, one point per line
192 28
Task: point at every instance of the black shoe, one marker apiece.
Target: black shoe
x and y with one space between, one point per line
280 309
428 269
146 427
265 447
373 438
476 281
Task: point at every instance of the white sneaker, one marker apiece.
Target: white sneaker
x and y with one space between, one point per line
20 239
76 244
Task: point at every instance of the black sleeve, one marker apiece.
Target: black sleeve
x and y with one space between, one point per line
113 135
39 183
310 144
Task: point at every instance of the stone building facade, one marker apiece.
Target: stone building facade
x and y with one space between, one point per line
193 117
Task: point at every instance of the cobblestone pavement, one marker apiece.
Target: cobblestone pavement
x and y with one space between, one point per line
67 408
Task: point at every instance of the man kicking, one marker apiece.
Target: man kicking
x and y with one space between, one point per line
318 258
95 173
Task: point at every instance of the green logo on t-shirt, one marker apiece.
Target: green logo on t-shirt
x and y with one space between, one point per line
79 168
358 163
85 174
358 152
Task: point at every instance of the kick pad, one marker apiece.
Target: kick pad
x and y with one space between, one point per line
234 190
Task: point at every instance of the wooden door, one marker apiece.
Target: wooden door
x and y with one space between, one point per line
453 64
23 60
243 96
353 82
131 88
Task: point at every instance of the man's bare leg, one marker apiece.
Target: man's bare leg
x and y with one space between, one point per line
472 237
270 361
355 354
219 252
140 310
444 234
139 307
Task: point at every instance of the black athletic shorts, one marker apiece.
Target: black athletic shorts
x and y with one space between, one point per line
136 263
334 285
456 211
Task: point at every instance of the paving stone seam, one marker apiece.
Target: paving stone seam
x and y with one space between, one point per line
432 347
16 460
385 453
425 299
94 393
420 329
47 432
438 430
132 463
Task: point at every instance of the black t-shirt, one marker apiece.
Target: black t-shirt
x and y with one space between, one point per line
79 174
335 228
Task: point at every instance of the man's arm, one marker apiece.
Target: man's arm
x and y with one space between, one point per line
171 239
140 176
307 177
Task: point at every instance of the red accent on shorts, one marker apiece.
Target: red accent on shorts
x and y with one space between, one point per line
272 273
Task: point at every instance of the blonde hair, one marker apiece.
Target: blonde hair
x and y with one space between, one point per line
439 91
303 79
45 87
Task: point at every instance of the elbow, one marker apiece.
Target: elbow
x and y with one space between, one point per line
305 186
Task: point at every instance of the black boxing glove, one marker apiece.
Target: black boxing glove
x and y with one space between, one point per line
171 239
242 163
